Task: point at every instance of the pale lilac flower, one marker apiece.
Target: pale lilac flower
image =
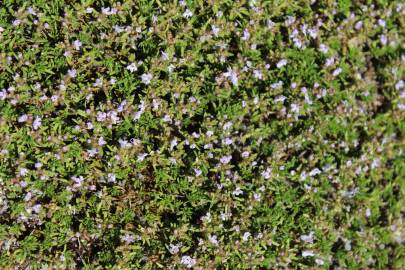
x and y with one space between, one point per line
101 116
132 67
37 123
187 14
245 154
227 141
309 238
225 159
92 152
330 61
36 208
280 99
198 172
295 108
141 157
358 25
111 178
77 44
72 73
267 173
336 72
258 74
383 40
38 165
3 94
208 146
23 172
174 249
89 10
146 78
23 118
282 63
210 133
215 30
128 238
78 181
323 48
165 56
124 143
98 83
400 84
213 239
188 261
246 35
232 75
257 196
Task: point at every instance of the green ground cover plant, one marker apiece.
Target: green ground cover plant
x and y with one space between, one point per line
205 134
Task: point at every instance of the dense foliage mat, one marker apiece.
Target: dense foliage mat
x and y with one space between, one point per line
206 134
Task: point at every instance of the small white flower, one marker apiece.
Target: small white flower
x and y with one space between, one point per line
245 154
257 196
89 10
282 63
146 78
246 236
237 191
308 253
209 133
319 261
187 14
173 143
